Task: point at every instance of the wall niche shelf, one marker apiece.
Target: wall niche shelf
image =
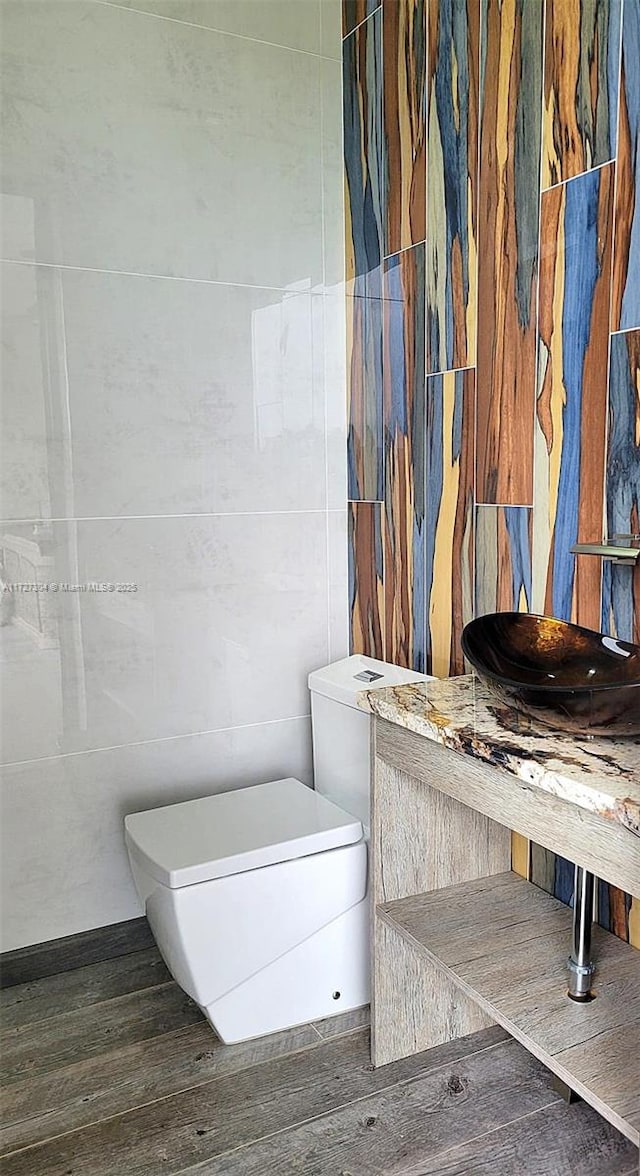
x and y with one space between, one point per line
503 943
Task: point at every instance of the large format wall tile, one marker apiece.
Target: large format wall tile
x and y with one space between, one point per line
209 139
173 345
330 28
405 473
332 174
619 912
364 388
571 408
24 480
331 361
581 76
450 524
615 910
452 171
621 586
626 280
338 573
404 37
362 105
363 147
541 426
552 873
179 396
355 11
71 809
503 559
511 95
366 571
222 605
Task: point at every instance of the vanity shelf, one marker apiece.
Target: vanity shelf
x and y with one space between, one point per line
458 940
503 943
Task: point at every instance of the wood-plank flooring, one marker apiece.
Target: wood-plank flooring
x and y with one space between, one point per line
110 1070
504 943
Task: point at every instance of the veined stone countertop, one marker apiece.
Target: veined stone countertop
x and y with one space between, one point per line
601 775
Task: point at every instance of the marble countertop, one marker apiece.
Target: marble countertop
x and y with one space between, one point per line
600 775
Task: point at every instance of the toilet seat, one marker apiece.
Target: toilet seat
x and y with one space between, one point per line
232 832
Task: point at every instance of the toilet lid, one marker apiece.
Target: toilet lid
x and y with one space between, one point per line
231 832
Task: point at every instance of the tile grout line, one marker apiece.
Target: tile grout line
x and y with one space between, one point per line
213 514
473 527
607 423
146 742
535 427
504 505
579 175
482 34
625 330
405 249
614 225
89 269
211 29
314 359
362 22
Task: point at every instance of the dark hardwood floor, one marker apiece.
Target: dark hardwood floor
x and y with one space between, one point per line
110 1070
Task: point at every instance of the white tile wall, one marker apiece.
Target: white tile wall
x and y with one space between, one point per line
67 869
293 23
157 147
173 417
182 397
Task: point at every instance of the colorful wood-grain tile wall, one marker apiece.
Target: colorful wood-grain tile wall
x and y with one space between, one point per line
492 168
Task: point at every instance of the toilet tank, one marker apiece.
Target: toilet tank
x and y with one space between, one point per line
341 759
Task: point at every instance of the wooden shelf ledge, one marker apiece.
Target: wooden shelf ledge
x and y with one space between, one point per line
505 943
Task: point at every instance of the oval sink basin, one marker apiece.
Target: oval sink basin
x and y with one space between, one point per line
568 677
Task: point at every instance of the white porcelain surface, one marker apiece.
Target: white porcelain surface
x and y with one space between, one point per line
331 21
24 484
71 809
151 146
301 985
179 397
343 681
293 23
247 829
231 976
332 172
341 760
229 616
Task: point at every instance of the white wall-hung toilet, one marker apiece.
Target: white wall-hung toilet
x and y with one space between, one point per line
257 898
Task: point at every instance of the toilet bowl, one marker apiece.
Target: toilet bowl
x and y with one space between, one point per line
257 898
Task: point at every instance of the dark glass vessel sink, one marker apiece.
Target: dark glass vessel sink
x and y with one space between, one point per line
568 677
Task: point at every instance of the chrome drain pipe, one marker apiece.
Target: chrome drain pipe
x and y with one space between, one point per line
580 965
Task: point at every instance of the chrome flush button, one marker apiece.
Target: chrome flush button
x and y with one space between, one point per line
368 676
